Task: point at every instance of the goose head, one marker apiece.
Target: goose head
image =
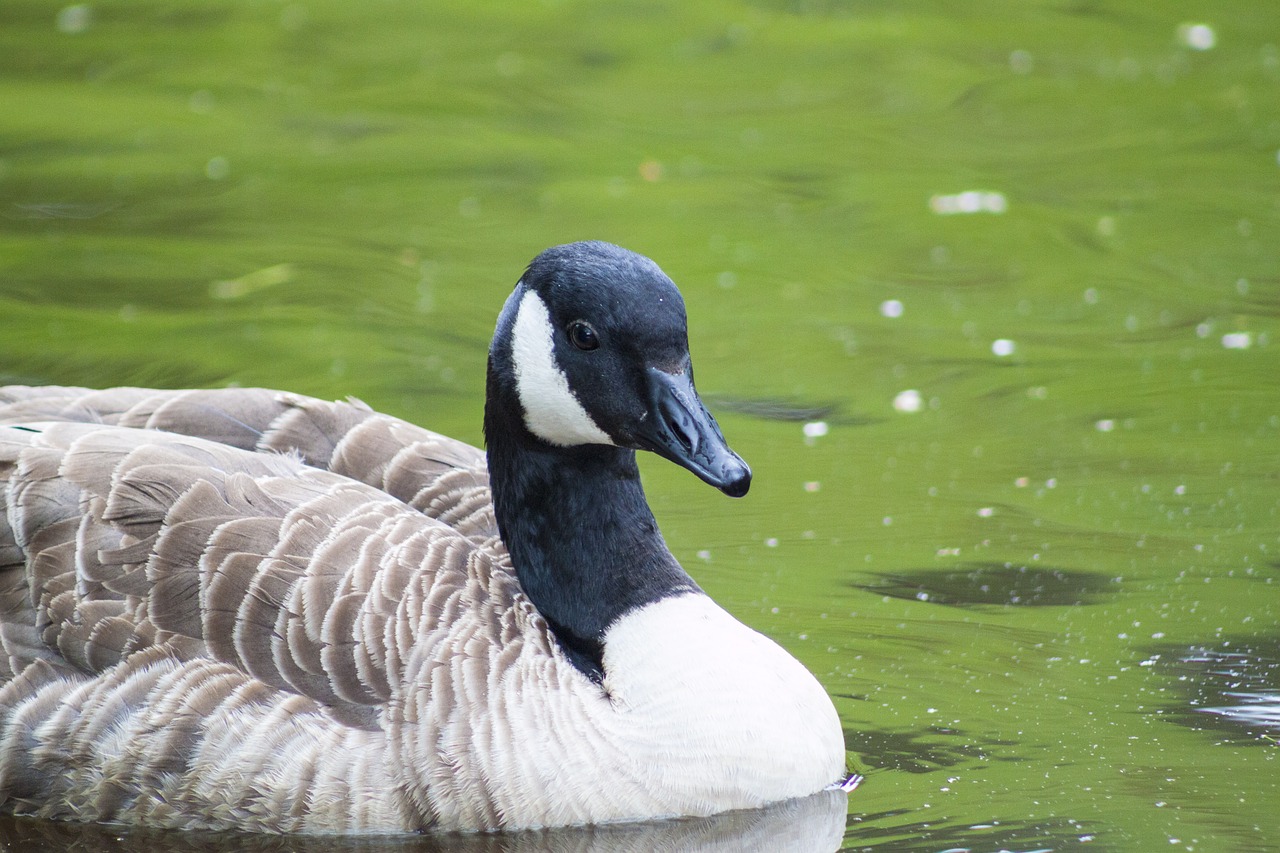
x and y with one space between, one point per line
591 349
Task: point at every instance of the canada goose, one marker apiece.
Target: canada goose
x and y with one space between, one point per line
241 609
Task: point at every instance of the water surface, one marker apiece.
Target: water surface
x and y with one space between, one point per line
986 293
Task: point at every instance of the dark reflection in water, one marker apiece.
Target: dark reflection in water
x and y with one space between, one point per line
813 825
994 584
788 410
920 751
1230 688
945 835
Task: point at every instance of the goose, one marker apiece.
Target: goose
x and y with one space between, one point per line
241 609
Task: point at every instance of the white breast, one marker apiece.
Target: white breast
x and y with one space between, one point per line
721 712
699 715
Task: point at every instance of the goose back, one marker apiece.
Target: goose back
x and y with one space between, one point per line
442 477
167 598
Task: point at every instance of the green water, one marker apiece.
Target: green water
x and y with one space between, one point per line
1025 595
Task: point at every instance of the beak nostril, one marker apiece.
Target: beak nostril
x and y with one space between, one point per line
687 438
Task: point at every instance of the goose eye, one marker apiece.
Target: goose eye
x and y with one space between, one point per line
583 336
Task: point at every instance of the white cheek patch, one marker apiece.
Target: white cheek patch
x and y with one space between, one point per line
551 411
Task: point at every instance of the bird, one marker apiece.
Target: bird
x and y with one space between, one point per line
245 609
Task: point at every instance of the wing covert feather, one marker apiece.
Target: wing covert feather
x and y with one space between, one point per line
440 476
291 574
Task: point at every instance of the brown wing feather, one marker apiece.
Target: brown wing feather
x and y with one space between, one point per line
227 633
445 478
289 573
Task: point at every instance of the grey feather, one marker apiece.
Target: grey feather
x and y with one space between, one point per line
218 572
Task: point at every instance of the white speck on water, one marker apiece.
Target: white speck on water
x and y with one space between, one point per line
1180 490
1237 340
887 520
1003 347
969 201
1051 483
217 169
1091 296
986 512
812 486
1105 425
908 401
1021 62
1106 226
1197 36
815 430
922 596
1203 330
891 308
771 542
705 556
74 20
1022 482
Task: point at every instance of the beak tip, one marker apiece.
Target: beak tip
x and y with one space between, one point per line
737 483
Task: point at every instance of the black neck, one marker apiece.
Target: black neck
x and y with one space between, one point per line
582 539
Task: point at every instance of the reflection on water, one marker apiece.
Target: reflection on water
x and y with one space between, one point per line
928 749
1230 688
775 410
813 825
994 584
947 837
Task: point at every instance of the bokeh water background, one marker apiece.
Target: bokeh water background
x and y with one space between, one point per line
987 293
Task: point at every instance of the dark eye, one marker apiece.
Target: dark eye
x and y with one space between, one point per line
583 336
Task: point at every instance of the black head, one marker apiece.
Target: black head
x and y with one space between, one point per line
592 347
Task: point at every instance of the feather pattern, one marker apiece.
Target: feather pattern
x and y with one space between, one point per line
247 597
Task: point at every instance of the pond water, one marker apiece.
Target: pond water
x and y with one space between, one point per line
987 294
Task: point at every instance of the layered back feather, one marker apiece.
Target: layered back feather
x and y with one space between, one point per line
226 597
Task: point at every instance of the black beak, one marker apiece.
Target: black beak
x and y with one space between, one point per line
680 428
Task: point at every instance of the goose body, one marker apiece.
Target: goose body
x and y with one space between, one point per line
243 609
